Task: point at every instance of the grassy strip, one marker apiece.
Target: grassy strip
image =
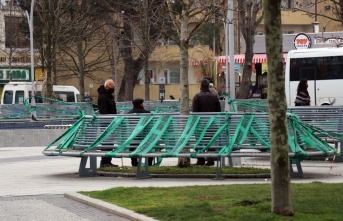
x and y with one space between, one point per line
313 201
188 170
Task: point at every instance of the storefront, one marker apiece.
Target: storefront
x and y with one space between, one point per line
20 70
259 72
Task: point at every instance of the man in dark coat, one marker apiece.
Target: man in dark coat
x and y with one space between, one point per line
106 105
138 108
205 101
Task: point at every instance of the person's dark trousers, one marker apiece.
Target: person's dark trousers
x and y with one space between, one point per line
105 161
201 161
134 161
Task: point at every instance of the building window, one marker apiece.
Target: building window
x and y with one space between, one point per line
286 4
141 76
15 37
172 76
151 76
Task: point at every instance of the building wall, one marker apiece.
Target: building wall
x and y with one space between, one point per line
288 42
174 90
294 22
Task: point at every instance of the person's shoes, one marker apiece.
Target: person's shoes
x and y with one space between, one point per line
134 162
108 165
199 163
150 161
210 163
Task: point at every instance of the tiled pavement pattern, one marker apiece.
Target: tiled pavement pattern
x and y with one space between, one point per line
29 137
50 207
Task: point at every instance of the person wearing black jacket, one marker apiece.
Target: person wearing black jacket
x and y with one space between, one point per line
205 101
106 105
138 108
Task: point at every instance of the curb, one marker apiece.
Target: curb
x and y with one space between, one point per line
108 207
211 176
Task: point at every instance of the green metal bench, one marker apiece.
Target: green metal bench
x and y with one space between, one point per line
214 135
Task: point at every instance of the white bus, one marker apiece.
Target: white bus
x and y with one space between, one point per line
17 92
323 69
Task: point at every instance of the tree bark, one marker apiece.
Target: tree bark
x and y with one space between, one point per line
184 105
248 22
81 76
280 177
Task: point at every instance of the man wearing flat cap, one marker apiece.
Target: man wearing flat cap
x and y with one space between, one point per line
138 108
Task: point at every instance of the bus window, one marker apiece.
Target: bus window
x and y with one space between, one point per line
39 98
333 68
8 97
308 73
303 68
19 97
65 96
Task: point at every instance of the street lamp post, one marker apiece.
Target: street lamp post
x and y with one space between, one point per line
229 50
30 20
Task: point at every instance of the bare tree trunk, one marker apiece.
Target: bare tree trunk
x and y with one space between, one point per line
184 105
147 79
248 22
280 177
48 50
55 69
81 74
121 93
145 36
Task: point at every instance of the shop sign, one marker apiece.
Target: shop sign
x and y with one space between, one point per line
302 41
329 41
17 74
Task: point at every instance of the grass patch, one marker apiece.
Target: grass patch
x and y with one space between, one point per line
188 170
313 201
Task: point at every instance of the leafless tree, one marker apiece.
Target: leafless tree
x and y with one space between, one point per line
280 176
250 16
140 29
85 48
48 31
188 17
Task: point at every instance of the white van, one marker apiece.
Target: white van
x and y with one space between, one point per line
17 92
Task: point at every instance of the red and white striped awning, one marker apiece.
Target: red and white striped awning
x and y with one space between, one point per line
240 58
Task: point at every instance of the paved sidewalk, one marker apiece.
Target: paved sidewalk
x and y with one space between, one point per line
33 184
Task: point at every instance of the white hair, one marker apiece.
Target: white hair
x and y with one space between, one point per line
107 81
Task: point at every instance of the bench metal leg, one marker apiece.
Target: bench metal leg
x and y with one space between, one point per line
91 170
339 155
142 174
222 161
219 170
299 168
